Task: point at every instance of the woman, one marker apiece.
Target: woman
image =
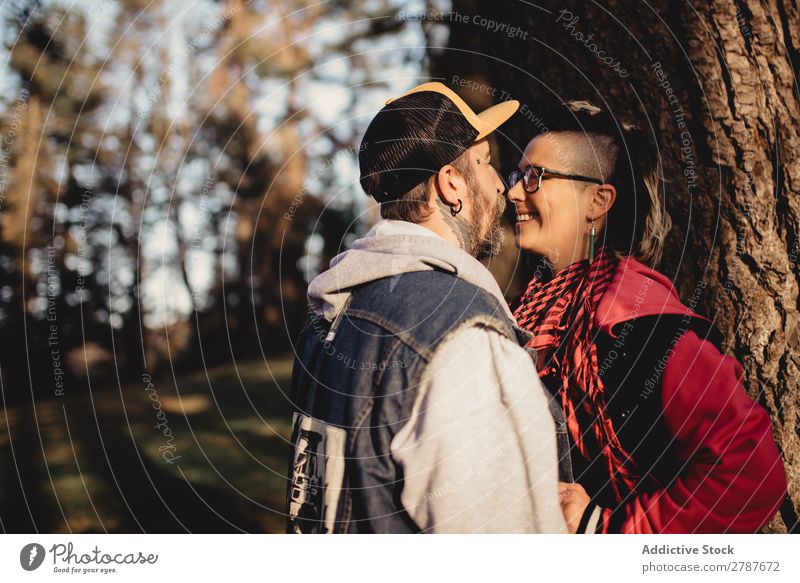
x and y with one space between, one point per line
663 436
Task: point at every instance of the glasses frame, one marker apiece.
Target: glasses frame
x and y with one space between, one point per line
525 176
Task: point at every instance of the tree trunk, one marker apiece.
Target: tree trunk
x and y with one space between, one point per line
715 84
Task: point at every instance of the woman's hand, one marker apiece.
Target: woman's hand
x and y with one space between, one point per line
574 500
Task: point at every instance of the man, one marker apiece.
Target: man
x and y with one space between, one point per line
416 409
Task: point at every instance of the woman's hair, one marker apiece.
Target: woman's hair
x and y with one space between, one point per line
592 142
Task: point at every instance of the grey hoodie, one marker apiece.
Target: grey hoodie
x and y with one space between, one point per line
392 248
479 452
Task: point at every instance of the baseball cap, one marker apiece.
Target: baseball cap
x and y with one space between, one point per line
417 133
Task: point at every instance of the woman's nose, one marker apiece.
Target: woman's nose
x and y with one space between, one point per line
515 193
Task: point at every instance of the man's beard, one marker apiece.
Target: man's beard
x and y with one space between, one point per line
488 241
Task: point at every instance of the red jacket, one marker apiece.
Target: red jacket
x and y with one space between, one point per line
735 479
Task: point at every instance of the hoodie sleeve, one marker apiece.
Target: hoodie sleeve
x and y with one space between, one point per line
733 478
479 452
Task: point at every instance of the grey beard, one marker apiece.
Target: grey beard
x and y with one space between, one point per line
468 234
492 244
462 230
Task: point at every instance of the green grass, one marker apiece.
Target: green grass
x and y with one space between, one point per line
91 462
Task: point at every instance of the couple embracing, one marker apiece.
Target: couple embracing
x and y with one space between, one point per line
596 402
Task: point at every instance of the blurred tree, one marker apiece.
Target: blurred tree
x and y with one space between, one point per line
179 170
45 228
287 45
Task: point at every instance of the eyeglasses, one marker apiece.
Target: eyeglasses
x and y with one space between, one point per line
532 177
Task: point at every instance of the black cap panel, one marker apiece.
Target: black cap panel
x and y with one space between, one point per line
410 139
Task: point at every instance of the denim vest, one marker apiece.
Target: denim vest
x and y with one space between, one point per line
353 388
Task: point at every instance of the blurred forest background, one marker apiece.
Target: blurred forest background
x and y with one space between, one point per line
172 174
167 166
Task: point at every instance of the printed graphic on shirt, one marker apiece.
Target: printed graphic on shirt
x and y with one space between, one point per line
317 475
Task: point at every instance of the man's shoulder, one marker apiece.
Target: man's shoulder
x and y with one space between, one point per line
479 337
430 296
426 307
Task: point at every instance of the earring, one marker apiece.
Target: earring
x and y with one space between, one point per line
453 210
592 234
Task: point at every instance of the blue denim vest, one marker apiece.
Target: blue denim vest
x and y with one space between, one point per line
353 387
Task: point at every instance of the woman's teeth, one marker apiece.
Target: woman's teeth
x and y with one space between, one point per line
526 217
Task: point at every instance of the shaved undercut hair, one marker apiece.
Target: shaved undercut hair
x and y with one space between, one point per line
592 142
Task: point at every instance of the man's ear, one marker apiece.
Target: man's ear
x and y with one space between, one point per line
451 186
603 198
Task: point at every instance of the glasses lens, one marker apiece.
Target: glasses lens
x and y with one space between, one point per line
513 178
532 174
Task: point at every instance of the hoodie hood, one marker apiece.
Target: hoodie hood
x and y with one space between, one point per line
636 291
390 249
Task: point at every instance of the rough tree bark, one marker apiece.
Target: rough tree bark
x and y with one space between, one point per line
716 83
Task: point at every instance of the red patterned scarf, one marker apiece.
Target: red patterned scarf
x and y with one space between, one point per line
560 313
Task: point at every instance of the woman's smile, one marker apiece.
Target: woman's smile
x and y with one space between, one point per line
528 216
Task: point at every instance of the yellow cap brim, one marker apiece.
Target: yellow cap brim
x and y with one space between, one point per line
485 122
492 118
